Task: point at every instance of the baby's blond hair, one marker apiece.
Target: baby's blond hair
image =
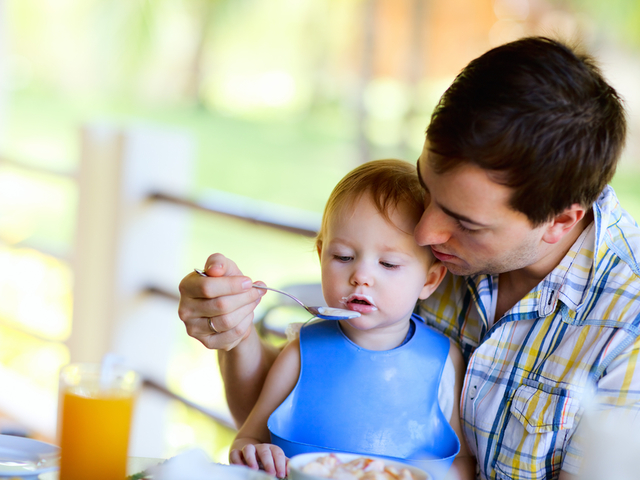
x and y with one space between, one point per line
389 182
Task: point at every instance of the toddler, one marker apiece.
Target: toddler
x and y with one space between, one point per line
384 383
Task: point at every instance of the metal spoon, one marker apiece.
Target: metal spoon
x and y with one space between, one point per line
325 313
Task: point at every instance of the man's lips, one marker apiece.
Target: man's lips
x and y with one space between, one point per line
443 257
358 302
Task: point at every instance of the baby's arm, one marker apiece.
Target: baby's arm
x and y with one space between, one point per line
464 465
251 445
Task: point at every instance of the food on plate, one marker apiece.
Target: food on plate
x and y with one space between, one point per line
361 468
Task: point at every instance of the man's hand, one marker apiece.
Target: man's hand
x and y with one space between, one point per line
218 309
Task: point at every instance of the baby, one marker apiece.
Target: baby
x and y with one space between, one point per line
380 384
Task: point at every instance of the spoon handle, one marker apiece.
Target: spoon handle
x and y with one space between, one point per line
283 293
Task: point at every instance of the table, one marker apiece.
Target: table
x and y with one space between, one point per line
134 465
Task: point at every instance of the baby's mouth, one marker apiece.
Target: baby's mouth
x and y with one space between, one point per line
359 303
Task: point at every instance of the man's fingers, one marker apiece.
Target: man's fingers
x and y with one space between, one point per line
241 311
229 304
191 307
223 277
197 286
217 265
229 339
218 309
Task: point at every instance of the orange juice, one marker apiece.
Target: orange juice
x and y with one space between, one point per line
94 426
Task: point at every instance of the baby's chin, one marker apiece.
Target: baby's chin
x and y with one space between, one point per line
360 323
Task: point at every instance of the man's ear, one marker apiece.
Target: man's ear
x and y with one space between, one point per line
563 223
435 275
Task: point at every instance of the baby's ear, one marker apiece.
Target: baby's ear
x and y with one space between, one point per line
435 274
319 248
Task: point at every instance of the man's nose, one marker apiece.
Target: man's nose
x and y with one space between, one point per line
434 228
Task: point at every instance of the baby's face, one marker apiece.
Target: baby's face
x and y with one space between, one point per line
372 266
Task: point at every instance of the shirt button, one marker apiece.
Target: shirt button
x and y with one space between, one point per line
472 392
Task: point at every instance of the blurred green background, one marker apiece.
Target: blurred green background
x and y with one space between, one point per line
281 99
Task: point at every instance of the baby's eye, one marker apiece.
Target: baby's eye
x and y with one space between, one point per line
389 265
342 258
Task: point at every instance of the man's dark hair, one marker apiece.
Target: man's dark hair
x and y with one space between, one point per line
540 118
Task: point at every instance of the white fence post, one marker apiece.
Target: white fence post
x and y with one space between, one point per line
125 242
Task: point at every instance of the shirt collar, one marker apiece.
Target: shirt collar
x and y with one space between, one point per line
579 262
569 281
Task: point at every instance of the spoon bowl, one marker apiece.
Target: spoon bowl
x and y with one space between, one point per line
325 313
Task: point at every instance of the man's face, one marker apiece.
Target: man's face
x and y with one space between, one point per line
469 224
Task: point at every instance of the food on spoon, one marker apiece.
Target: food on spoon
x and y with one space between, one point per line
361 468
337 312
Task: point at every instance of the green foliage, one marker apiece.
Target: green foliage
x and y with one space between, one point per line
616 19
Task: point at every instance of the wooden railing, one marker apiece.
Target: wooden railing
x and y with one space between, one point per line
135 202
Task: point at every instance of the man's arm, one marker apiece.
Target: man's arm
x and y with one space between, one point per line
244 370
226 301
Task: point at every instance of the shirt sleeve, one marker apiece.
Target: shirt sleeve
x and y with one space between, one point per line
610 410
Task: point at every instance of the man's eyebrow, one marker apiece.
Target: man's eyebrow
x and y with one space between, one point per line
457 216
420 176
448 212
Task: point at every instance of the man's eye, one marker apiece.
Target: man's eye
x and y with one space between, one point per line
462 228
342 258
389 265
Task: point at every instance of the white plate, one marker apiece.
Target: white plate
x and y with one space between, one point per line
24 457
298 461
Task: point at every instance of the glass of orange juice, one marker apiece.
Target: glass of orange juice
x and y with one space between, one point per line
94 420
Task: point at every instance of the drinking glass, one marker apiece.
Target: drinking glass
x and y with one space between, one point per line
94 420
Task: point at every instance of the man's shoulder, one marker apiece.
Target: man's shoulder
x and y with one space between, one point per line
618 234
614 295
617 259
614 291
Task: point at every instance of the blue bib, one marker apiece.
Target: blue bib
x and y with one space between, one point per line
382 403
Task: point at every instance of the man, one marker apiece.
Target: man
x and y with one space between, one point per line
543 293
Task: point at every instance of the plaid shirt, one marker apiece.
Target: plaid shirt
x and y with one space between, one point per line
573 336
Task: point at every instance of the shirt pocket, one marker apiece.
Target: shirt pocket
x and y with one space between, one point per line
540 421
